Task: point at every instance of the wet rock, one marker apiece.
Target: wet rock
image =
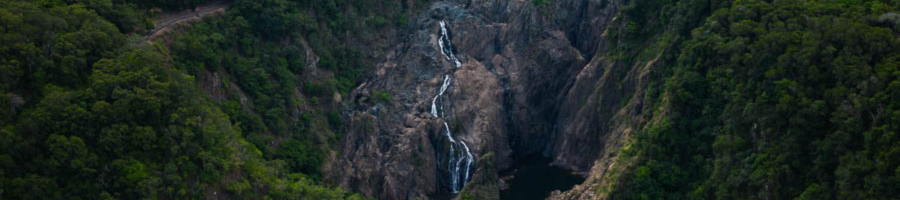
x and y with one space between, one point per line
529 82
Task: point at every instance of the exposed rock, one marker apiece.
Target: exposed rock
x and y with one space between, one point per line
15 101
12 103
336 97
531 81
486 185
211 83
614 129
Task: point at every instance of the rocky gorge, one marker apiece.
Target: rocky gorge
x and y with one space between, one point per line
499 80
450 99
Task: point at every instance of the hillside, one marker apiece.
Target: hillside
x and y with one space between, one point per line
455 99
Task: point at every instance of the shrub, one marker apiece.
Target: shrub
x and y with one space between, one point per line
381 96
540 3
334 119
315 89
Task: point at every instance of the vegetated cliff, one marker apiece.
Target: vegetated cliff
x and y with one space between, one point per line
757 100
96 112
283 84
645 98
534 79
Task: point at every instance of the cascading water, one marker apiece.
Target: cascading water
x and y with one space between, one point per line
459 163
469 160
434 108
445 49
459 170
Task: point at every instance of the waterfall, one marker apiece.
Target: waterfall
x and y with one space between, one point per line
445 49
454 169
469 160
434 109
455 161
459 163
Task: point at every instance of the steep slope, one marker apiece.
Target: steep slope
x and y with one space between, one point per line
646 99
95 113
516 68
764 100
615 91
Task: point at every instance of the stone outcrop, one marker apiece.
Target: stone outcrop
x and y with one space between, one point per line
533 80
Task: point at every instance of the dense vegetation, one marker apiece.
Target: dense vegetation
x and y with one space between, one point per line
92 112
259 45
780 99
775 99
164 4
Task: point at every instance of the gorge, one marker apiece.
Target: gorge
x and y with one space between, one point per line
450 99
496 86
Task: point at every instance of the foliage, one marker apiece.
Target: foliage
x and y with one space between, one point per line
381 96
541 3
259 44
95 118
263 47
774 100
165 4
51 46
131 119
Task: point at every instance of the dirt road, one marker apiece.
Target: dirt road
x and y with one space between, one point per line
171 18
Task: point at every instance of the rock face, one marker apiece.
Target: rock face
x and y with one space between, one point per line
532 79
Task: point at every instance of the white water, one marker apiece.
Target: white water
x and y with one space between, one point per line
434 110
459 171
454 169
444 36
469 160
456 161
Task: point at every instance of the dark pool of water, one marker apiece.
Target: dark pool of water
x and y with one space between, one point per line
536 179
443 196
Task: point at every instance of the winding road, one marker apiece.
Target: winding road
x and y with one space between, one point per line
172 18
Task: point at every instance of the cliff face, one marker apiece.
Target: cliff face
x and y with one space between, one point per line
531 79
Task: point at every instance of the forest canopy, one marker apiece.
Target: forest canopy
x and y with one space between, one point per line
96 113
772 100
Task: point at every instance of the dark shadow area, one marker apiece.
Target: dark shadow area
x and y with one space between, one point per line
534 178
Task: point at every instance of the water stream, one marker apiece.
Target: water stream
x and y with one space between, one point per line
448 48
533 177
434 108
459 163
